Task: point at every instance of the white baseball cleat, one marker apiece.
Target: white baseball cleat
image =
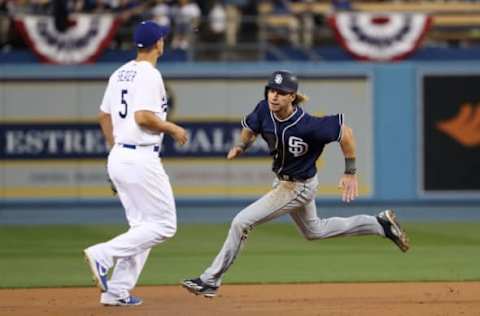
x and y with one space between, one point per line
99 272
129 301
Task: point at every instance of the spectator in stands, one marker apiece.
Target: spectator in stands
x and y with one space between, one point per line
130 13
130 9
60 15
4 24
9 37
40 6
186 16
233 12
217 19
307 18
281 6
161 12
281 24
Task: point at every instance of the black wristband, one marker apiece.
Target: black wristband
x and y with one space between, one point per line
350 166
243 146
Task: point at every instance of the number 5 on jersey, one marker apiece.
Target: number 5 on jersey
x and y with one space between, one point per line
124 114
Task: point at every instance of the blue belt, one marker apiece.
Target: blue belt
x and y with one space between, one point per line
156 148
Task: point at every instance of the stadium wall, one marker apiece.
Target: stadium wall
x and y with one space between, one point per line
393 108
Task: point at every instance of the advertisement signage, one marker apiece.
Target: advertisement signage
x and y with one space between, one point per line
51 145
451 134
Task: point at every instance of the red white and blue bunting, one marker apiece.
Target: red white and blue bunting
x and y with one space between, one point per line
380 36
87 36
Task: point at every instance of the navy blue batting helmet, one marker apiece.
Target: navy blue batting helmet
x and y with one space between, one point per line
283 80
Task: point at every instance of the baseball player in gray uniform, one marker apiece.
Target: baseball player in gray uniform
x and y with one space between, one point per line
296 140
133 120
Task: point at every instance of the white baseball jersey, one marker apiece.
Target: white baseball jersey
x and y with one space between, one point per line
133 87
138 174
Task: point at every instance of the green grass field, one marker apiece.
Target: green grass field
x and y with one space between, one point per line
51 256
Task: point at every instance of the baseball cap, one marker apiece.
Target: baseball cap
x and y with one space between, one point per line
148 33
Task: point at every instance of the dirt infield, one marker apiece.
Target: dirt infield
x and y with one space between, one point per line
293 299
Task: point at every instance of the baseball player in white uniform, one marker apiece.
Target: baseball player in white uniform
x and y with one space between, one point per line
133 120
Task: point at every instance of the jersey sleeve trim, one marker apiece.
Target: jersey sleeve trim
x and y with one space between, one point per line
245 125
104 109
341 120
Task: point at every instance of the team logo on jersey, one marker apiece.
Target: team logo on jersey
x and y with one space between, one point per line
296 146
278 79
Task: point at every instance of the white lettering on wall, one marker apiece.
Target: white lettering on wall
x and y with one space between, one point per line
54 142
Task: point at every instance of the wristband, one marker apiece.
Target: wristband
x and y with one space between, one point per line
243 146
350 166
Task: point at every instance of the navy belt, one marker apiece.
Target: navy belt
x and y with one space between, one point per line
156 148
285 177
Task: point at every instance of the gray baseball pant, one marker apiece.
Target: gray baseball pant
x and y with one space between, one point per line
297 199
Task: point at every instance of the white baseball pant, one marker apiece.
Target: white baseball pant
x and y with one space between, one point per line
146 195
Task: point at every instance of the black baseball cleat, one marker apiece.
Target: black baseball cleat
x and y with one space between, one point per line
198 287
392 229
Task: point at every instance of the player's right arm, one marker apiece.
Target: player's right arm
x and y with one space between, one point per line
247 137
251 127
105 120
151 122
104 117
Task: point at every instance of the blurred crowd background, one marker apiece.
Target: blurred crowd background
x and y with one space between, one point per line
418 116
236 30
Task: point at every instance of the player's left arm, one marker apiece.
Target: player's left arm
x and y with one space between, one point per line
348 182
105 120
148 120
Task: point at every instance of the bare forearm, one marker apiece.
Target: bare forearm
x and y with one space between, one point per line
159 126
348 181
107 127
247 137
347 142
150 121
